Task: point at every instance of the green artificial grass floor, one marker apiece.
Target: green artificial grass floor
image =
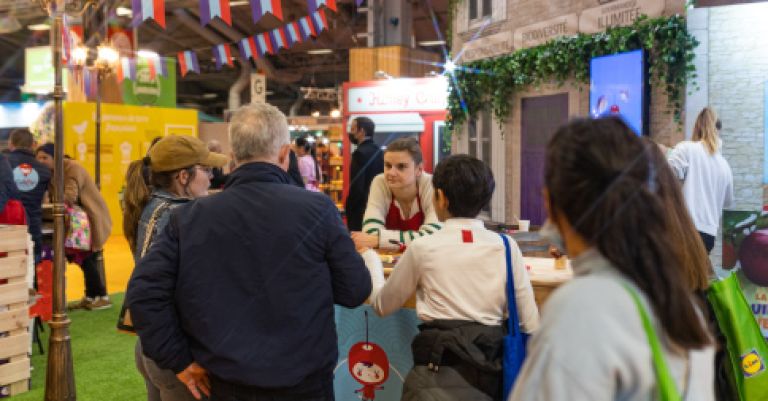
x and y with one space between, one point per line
103 359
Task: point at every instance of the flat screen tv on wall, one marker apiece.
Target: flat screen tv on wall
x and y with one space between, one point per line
619 87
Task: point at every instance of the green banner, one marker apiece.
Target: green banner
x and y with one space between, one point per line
146 91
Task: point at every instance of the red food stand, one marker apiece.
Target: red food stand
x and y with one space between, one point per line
399 107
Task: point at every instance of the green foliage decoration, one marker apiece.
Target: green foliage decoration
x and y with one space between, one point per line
491 83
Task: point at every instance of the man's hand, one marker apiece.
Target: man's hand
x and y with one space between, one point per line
363 240
196 380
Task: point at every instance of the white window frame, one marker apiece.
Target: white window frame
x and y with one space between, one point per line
497 163
498 13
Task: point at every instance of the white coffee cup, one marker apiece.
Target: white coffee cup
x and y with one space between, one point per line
523 225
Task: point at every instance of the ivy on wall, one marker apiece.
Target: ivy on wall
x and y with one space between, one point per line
492 82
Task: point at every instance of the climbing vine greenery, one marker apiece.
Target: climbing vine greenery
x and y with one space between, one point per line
492 82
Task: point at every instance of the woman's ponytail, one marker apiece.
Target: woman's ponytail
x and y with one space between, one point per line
135 197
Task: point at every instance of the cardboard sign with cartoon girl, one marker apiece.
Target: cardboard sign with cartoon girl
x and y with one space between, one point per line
369 365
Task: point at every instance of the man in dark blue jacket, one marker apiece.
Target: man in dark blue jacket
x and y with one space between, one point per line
31 178
238 291
367 163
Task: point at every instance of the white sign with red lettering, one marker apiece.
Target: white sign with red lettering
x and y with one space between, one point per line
429 94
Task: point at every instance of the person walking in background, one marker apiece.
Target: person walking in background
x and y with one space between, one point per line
459 275
80 190
178 168
367 162
706 176
324 162
400 207
31 178
307 164
605 205
219 178
236 296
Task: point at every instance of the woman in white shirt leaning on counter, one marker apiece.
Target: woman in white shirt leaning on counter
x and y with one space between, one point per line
399 206
606 193
459 275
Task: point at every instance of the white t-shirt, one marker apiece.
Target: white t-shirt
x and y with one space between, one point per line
457 273
707 183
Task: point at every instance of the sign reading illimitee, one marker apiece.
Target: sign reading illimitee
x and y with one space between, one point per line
618 13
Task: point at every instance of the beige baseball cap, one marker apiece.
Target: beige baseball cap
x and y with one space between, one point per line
179 151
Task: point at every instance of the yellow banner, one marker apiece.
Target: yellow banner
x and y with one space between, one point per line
126 133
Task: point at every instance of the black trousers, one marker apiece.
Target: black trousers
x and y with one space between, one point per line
94 279
709 241
312 389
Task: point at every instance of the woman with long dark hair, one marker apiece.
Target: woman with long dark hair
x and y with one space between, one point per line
310 173
608 208
177 170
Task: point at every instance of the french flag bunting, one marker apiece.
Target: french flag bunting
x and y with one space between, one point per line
188 62
210 9
315 4
156 65
223 55
247 48
306 27
358 2
126 68
279 38
264 44
292 33
261 7
319 21
146 9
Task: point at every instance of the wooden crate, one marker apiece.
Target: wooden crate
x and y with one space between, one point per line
14 311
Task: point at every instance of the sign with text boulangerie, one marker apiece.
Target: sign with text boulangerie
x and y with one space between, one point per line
618 13
486 47
542 32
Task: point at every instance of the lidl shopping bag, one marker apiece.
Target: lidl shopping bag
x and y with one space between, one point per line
747 349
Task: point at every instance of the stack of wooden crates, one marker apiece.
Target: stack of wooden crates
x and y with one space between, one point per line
14 311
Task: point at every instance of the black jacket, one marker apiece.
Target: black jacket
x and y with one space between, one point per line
31 178
244 282
367 163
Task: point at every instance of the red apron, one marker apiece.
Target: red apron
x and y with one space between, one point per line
395 222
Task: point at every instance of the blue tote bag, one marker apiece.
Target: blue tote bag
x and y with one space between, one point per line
515 341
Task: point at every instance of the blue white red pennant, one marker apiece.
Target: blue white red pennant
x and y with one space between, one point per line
156 65
292 33
264 44
248 48
188 62
319 21
223 55
315 4
358 2
279 38
261 7
210 9
126 68
306 28
146 9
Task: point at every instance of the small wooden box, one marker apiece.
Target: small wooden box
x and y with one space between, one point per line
14 311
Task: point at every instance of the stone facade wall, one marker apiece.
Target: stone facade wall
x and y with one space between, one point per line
520 13
732 62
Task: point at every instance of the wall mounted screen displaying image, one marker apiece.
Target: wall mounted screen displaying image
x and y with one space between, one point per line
618 88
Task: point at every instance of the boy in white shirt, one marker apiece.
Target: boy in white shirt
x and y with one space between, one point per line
459 277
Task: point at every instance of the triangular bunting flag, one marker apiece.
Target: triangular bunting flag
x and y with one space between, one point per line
319 21
247 48
279 39
264 44
306 28
223 55
315 4
146 9
261 7
210 9
188 62
292 33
